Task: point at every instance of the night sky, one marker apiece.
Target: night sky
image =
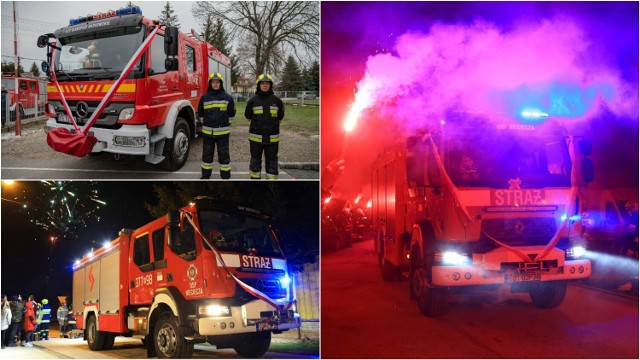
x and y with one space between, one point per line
423 58
30 265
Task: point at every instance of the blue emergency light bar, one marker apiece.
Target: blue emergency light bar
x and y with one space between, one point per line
533 114
108 14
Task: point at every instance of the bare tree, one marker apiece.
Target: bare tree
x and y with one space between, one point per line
273 28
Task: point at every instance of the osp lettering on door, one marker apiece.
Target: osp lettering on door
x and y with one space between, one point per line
256 262
508 197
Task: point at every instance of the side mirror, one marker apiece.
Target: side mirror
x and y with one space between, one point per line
585 147
43 40
171 64
587 170
45 67
171 41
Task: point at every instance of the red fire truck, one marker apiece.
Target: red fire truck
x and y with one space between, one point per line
24 92
210 272
153 112
474 204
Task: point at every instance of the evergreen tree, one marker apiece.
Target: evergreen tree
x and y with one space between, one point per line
291 76
35 70
314 74
9 67
216 35
167 17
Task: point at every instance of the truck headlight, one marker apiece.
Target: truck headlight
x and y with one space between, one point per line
126 114
213 310
451 258
576 251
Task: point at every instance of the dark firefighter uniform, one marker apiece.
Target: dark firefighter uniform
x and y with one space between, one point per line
216 107
44 318
265 111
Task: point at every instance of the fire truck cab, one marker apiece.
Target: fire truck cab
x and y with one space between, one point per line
474 204
210 272
153 112
24 92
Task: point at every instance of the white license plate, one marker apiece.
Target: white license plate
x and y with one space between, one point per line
64 118
522 277
265 326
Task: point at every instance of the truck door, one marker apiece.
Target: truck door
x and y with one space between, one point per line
184 268
193 71
164 87
141 275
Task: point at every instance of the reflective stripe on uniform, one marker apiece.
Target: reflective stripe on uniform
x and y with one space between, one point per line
254 175
207 166
273 110
207 130
257 110
272 177
274 138
215 104
255 137
225 167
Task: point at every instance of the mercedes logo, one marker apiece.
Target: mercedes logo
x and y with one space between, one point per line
519 227
82 109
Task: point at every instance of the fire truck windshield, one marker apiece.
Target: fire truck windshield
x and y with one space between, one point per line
239 234
97 56
504 157
9 84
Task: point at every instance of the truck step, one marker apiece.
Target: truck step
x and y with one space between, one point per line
154 159
157 137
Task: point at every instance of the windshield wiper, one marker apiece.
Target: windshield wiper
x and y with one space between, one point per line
111 75
66 74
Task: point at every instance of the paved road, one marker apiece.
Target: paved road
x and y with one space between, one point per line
363 317
124 348
127 168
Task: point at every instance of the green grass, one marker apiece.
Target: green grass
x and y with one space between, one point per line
308 347
300 119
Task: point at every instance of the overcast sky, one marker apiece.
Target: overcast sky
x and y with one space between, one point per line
39 17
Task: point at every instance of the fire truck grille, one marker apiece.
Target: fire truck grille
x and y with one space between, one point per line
269 287
520 232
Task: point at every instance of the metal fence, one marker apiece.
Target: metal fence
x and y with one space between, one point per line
32 106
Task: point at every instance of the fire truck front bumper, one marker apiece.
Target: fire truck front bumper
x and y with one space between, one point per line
502 267
129 139
254 316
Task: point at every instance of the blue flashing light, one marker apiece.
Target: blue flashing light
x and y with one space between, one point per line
533 114
284 281
105 15
575 217
563 217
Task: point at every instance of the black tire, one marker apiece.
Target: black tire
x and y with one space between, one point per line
95 338
109 339
176 150
548 294
168 339
253 345
431 300
21 109
389 271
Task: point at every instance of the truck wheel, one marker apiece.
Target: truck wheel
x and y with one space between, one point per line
169 339
176 150
95 338
431 301
389 271
253 345
548 294
21 112
109 339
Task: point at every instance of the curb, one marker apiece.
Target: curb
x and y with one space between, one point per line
300 166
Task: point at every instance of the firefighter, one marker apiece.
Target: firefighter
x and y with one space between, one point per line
92 60
71 323
265 112
44 318
217 108
62 313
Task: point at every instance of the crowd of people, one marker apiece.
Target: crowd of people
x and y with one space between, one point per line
26 322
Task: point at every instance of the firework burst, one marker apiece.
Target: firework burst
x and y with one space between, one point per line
62 207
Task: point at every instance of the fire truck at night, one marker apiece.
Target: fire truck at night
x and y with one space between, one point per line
209 272
152 111
474 204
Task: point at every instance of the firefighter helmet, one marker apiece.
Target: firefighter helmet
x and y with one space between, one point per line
631 206
264 78
216 76
45 301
